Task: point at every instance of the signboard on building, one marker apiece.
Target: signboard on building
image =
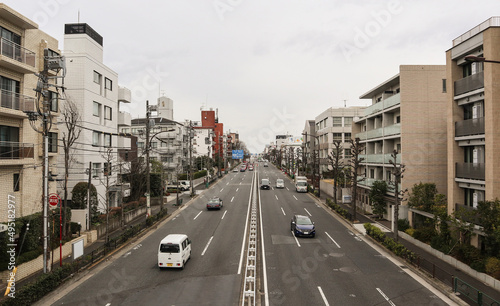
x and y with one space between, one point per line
237 154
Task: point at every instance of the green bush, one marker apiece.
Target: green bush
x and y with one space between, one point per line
425 234
410 231
395 247
492 267
467 254
440 243
403 225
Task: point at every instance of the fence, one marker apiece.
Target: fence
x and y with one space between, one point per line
472 293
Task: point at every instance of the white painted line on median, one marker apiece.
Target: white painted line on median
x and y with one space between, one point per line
276 197
232 199
333 240
210 240
308 212
296 240
197 215
385 297
295 198
224 214
283 211
323 296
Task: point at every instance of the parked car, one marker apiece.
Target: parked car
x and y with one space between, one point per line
280 183
264 184
214 202
302 226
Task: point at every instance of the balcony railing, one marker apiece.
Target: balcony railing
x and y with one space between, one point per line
15 101
469 127
124 118
469 83
16 150
394 129
473 171
16 52
386 103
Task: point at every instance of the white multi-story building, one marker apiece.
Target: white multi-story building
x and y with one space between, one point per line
93 87
334 124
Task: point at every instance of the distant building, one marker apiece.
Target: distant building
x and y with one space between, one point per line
407 115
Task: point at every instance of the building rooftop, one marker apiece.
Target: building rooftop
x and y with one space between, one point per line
372 92
83 28
492 22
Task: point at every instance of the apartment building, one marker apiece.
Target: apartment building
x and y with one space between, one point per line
22 48
473 111
334 124
408 114
93 88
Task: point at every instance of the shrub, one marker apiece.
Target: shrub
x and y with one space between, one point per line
410 231
492 267
467 253
425 234
403 225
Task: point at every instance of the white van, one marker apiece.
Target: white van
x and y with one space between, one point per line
174 251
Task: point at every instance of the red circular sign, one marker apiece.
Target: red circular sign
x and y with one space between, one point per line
54 199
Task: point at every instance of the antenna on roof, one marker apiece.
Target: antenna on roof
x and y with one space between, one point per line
78 15
344 103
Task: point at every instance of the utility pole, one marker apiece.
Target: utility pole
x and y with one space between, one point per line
398 174
148 183
57 64
88 195
191 156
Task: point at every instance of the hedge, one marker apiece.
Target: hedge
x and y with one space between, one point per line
391 244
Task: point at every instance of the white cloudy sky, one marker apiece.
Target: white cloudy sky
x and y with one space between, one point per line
267 66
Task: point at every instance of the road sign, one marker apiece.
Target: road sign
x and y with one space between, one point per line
54 199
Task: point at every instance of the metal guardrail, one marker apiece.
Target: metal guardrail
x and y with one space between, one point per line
459 286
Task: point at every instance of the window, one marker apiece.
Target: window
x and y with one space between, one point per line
347 121
107 112
52 53
347 153
444 85
97 109
398 148
388 175
108 84
398 119
96 169
9 138
154 145
96 141
107 169
347 136
52 142
140 145
337 121
107 140
337 136
16 179
53 101
97 77
372 173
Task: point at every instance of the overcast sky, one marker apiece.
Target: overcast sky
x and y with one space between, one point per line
267 66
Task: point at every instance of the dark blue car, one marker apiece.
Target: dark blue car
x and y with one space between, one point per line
302 226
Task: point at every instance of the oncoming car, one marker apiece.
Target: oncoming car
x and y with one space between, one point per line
214 202
302 226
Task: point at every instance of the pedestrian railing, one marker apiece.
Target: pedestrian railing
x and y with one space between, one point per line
459 286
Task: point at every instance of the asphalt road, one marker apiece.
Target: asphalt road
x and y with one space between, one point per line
337 267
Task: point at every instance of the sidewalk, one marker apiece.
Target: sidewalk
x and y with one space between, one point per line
423 254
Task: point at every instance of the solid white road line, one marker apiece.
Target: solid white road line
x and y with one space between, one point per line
295 198
308 212
283 211
232 199
323 296
197 215
296 240
333 240
204 250
224 214
246 228
385 297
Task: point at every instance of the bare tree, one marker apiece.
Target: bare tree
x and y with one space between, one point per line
72 118
335 159
109 158
356 149
397 172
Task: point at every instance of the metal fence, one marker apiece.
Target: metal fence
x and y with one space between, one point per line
459 286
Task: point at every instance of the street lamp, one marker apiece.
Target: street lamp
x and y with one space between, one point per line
472 58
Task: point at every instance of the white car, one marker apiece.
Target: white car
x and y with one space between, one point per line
280 183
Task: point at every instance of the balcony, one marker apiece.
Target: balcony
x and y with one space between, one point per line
124 118
474 171
15 57
390 130
15 101
469 211
386 103
470 83
379 158
16 150
469 127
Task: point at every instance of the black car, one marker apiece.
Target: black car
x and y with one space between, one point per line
302 226
214 203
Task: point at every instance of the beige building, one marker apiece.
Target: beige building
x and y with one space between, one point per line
408 114
474 112
21 55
